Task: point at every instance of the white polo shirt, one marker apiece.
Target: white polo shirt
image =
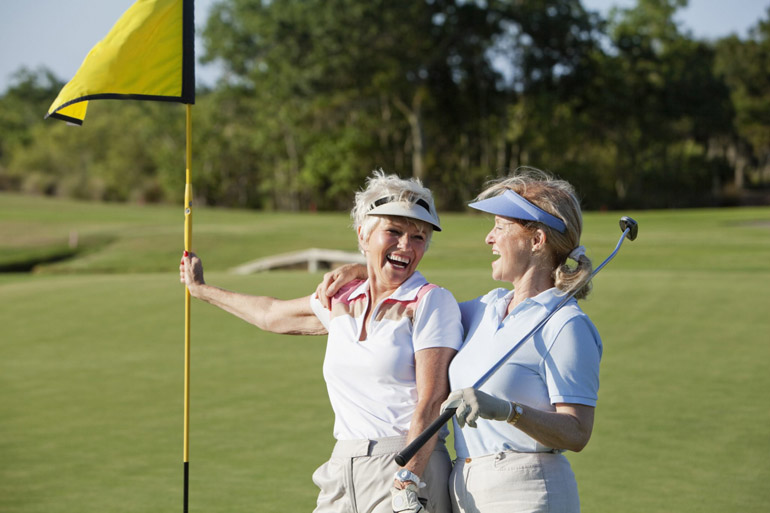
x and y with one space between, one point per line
371 383
559 364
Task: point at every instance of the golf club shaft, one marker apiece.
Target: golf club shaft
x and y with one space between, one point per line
415 445
542 323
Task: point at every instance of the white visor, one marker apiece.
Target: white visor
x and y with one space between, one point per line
421 209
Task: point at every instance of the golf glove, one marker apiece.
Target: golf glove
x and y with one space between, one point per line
406 500
472 404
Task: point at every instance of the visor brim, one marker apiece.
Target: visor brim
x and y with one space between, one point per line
406 209
509 204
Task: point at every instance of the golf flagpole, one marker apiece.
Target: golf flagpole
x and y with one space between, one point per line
149 55
188 249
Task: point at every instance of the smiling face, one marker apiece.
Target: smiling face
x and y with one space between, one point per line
514 245
393 251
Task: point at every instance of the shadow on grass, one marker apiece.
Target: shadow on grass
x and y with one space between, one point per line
32 259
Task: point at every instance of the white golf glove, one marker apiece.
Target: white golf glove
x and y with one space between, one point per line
472 404
406 500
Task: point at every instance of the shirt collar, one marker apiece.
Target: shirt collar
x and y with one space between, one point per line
407 291
547 299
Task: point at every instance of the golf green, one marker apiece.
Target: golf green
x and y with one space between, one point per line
91 360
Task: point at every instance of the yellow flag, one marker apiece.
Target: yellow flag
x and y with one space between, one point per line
148 55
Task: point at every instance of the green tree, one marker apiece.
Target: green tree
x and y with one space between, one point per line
317 93
21 108
658 103
114 157
340 86
745 66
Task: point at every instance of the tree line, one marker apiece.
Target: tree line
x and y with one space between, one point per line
314 94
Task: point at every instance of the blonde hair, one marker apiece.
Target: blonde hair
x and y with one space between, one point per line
380 185
558 198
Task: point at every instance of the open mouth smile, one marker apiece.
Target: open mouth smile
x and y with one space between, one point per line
398 262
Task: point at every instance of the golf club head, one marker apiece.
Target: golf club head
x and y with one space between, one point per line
632 226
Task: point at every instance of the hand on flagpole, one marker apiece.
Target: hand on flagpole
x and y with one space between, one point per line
191 271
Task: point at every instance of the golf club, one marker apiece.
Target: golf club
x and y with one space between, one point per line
630 229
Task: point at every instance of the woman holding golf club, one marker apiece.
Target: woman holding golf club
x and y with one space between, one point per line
510 436
390 341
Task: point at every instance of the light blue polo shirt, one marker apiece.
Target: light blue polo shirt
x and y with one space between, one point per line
559 364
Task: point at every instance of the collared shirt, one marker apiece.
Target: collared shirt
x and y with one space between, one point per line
558 364
372 383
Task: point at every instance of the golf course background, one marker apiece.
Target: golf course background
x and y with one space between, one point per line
92 347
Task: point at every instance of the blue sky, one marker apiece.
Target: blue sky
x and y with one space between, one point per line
58 34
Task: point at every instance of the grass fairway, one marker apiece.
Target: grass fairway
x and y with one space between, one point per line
91 360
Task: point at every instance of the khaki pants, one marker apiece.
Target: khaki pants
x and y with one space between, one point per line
513 482
359 476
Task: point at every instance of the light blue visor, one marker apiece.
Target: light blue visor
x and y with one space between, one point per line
510 204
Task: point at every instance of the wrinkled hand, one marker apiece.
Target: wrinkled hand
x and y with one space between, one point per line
335 279
406 500
472 404
191 271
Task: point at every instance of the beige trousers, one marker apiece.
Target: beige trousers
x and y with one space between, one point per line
359 476
513 482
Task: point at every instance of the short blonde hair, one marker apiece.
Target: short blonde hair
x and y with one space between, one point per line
558 198
380 185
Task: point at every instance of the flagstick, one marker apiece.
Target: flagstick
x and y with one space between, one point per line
188 248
